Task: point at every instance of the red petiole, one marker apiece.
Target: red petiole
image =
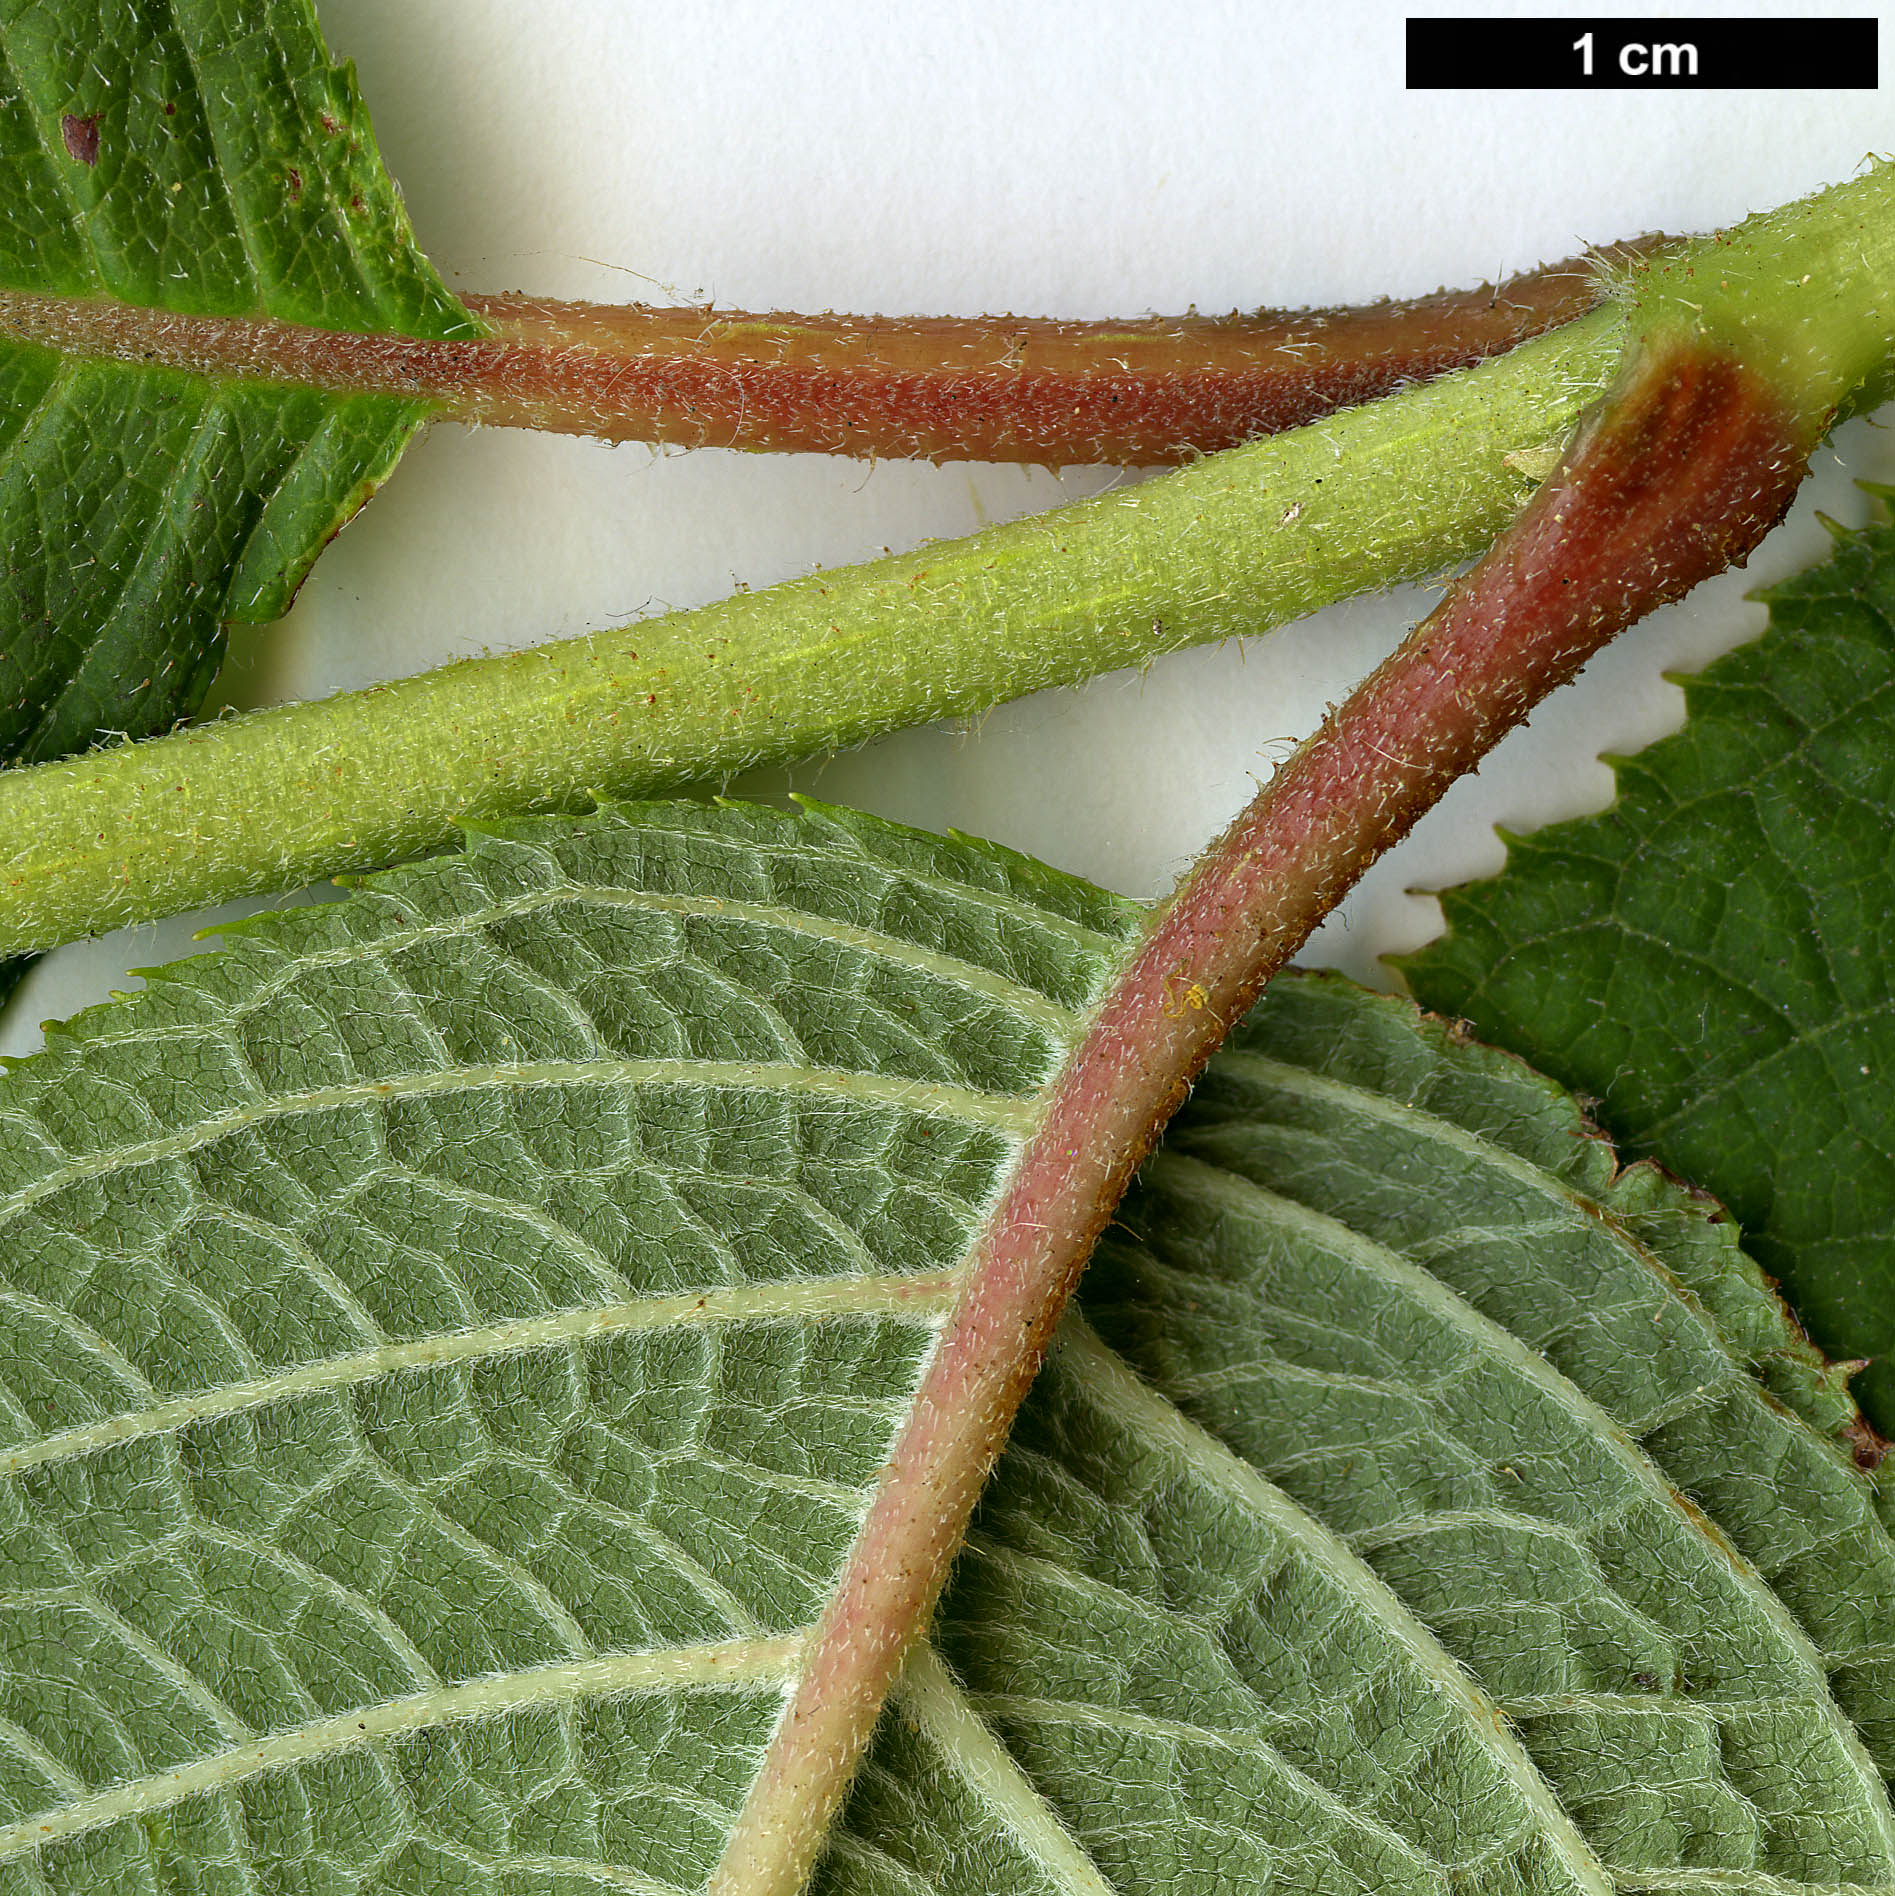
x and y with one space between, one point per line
1691 461
1157 390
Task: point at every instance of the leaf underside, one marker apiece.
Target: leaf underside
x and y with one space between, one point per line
450 1337
1709 958
205 157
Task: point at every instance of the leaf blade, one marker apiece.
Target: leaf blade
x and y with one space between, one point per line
356 1089
226 166
438 1481
1706 957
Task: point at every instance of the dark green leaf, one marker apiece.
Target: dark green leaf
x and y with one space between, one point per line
204 157
1711 959
448 1338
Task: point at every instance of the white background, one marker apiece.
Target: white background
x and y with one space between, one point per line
1061 159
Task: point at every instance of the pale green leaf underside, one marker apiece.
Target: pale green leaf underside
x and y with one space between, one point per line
202 156
449 1337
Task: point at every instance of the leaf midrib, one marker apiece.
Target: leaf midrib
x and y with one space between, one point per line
1017 1114
917 1300
929 1695
1116 1386
895 949
728 1664
1246 1198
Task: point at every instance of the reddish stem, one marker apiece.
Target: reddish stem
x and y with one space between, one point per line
1689 464
984 388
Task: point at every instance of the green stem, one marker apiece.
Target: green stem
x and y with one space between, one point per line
1394 490
1235 545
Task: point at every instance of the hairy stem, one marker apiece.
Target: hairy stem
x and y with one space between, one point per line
1691 463
1154 391
1727 386
1264 534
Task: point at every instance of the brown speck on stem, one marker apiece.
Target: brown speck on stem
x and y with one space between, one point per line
81 136
1868 1448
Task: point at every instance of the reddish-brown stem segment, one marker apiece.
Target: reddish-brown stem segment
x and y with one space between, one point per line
983 388
1690 462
